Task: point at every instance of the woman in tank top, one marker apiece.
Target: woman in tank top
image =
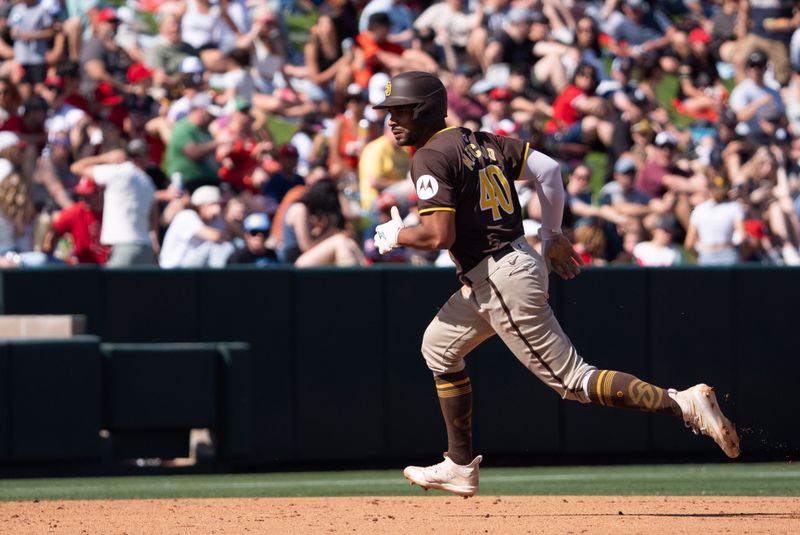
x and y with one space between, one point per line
199 23
327 63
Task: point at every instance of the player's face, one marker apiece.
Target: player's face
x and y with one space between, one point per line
401 122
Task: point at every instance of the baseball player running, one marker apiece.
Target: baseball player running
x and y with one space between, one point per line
468 205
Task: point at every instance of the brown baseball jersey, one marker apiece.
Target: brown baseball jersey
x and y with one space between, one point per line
472 174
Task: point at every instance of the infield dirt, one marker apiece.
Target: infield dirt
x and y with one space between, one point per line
440 515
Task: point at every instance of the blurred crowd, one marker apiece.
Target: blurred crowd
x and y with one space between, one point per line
206 133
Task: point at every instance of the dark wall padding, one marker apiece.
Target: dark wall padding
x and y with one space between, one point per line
339 365
56 399
5 403
151 305
257 306
335 370
691 326
766 346
514 413
601 312
235 423
66 290
413 422
160 386
150 444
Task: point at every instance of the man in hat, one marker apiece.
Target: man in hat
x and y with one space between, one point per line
128 218
83 221
102 59
659 173
621 194
752 97
195 237
255 251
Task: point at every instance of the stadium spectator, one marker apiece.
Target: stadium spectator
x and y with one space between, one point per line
383 164
217 88
196 237
128 218
103 61
167 54
351 133
375 51
31 28
751 97
328 63
716 226
644 29
450 24
314 231
16 205
764 180
255 251
660 250
399 16
190 151
767 25
82 220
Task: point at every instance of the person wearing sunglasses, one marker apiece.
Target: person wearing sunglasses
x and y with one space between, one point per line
256 250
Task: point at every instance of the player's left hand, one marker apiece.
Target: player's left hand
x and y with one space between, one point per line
386 233
561 257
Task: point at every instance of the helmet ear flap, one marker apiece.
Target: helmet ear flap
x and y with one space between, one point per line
418 109
434 106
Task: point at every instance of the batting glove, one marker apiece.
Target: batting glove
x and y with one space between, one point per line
386 233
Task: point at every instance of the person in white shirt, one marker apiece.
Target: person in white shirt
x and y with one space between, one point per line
660 251
715 227
128 214
196 236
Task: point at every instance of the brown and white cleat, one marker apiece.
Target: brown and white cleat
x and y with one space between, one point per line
461 480
702 414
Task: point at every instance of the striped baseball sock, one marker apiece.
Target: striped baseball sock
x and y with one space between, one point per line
455 399
618 389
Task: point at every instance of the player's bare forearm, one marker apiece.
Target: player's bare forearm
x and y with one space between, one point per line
437 230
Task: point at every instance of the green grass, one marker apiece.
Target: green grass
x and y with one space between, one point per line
658 480
280 130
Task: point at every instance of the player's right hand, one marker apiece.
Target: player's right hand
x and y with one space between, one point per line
386 233
561 257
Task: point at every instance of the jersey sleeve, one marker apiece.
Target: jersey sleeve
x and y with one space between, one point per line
515 153
433 182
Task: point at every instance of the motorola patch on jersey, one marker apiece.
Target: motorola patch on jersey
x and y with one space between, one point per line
427 187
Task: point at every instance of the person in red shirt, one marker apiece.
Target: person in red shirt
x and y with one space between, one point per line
242 152
578 113
82 220
373 52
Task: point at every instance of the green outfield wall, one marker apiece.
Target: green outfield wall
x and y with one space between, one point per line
293 366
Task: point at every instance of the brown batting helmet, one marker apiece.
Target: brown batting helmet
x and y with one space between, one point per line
421 89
